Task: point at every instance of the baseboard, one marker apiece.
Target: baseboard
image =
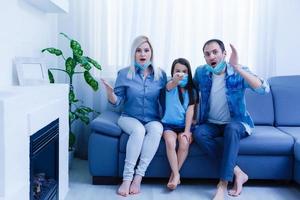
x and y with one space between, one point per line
104 180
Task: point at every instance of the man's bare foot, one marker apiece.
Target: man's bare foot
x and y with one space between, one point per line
124 188
135 186
240 179
173 181
221 189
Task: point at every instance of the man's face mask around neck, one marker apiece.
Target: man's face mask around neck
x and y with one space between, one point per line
218 69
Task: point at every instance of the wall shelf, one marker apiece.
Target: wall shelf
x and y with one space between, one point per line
51 6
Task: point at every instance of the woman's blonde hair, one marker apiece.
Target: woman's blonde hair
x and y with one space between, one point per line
136 43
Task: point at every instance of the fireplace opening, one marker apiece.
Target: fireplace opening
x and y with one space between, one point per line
44 163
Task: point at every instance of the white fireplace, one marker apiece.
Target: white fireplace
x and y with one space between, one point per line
24 111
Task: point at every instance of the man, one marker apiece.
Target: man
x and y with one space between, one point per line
222 111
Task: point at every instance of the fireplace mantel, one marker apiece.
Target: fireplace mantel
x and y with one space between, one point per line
24 111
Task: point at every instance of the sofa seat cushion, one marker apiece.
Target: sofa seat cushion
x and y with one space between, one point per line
297 150
293 131
266 140
106 123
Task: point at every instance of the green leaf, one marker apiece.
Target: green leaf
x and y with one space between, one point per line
81 111
85 119
87 109
72 116
83 61
65 36
95 63
76 48
70 65
84 110
87 66
50 76
54 51
90 80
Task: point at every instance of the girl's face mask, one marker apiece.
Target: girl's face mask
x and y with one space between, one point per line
183 81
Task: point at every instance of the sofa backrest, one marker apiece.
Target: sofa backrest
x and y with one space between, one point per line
286 97
260 107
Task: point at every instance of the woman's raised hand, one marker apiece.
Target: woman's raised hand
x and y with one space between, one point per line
110 92
108 87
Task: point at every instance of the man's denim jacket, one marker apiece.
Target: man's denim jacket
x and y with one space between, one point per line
235 93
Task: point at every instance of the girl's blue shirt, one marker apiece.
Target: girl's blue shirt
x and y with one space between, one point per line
175 111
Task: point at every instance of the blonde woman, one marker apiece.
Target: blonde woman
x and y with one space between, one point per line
139 87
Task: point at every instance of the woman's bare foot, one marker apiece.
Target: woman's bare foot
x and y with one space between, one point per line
173 181
124 188
240 179
221 189
135 186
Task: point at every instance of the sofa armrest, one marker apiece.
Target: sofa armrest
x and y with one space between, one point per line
106 123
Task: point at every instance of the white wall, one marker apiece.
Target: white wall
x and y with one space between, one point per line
288 38
25 30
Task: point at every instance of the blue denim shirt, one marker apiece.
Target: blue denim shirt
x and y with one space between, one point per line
235 93
140 96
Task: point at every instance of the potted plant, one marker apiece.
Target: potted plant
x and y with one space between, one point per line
77 64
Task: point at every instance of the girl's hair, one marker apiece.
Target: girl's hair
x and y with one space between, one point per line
190 85
136 43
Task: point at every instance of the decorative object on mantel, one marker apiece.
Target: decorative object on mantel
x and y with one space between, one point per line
31 71
78 64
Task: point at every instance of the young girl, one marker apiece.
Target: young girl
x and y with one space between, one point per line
180 100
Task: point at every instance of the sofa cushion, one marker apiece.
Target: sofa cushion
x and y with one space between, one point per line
106 123
293 131
265 140
285 90
260 107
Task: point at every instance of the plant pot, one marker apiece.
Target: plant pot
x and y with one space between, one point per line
71 157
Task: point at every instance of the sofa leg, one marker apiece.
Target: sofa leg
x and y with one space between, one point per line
103 180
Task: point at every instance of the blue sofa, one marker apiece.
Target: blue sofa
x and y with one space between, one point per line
272 152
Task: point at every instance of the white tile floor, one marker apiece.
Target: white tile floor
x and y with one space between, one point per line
81 188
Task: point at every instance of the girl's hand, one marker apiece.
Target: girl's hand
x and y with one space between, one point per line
177 77
187 136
